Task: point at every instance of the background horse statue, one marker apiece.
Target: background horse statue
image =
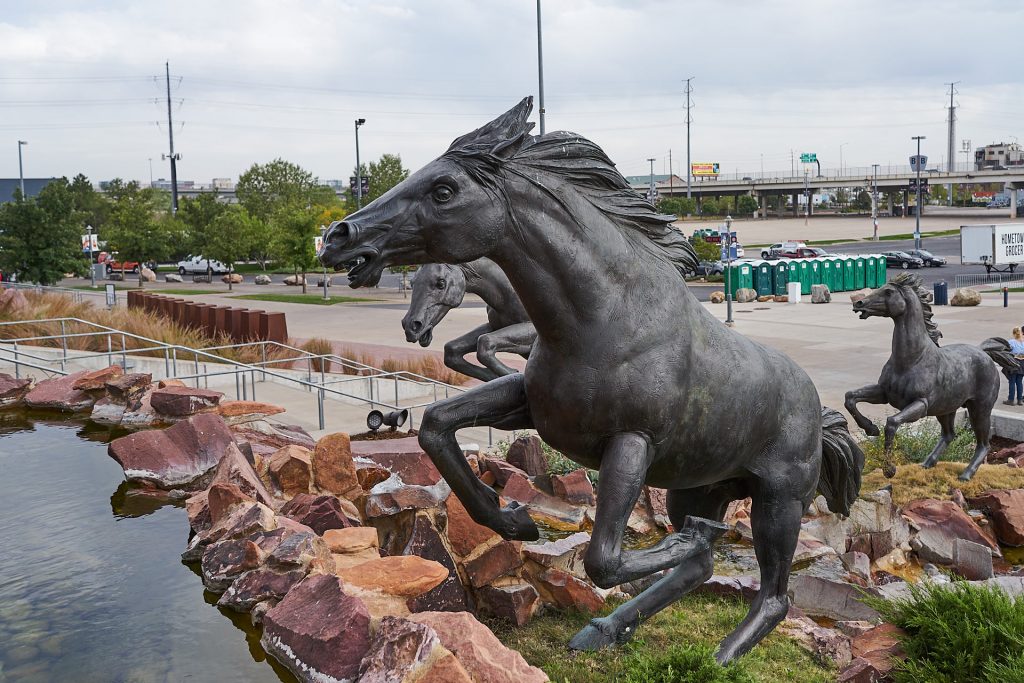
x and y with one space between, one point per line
630 374
920 378
439 287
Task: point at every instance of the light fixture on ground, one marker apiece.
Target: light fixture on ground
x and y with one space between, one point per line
375 419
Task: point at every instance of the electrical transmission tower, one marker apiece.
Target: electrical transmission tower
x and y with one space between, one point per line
689 120
951 142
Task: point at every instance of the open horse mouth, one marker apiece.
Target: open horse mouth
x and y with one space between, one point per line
363 265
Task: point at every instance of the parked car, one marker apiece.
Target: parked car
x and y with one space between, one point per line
707 234
705 268
930 259
901 259
779 247
197 265
804 252
117 266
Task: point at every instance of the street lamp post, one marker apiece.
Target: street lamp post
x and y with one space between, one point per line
841 167
650 191
21 171
359 170
917 209
540 70
807 196
874 199
727 239
92 267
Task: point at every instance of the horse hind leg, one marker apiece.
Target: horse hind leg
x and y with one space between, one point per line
684 506
981 421
948 426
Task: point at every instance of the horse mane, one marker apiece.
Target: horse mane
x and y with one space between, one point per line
505 144
912 283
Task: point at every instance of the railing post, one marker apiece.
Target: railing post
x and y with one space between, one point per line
245 393
309 372
195 356
320 401
174 361
17 366
238 390
124 352
167 362
252 382
63 344
263 351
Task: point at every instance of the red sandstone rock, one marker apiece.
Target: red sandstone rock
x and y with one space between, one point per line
568 592
500 560
59 393
745 587
235 469
565 553
221 497
394 495
878 647
1006 508
319 513
939 524
175 457
527 454
448 596
197 506
12 390
317 631
351 540
657 505
225 561
291 470
519 488
404 575
404 651
97 379
239 412
478 650
258 585
333 469
304 551
502 470
463 533
515 603
265 438
184 401
403 457
574 487
129 386
828 646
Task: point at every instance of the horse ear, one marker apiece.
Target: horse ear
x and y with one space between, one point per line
503 136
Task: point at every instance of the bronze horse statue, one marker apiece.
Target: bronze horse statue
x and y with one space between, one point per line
630 374
920 378
439 287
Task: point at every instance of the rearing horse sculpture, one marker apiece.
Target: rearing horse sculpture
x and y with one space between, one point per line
439 287
630 374
920 378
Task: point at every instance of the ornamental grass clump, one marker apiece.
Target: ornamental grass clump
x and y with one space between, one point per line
957 633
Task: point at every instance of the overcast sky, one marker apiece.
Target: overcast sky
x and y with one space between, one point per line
82 81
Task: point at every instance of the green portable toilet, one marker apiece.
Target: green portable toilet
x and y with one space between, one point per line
858 273
741 275
838 276
849 273
825 272
792 270
882 275
780 276
762 277
814 265
871 271
805 276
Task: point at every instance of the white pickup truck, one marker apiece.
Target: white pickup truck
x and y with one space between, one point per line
197 265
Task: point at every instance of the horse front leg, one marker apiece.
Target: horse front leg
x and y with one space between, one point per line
501 403
456 349
517 338
872 393
948 424
913 412
624 464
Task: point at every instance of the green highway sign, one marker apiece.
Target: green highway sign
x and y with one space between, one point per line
808 158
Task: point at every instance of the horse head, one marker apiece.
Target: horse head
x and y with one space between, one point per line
436 289
894 299
887 302
450 211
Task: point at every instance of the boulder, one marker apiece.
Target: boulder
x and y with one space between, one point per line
406 652
58 393
301 550
221 497
333 468
499 560
965 297
527 453
13 301
449 595
502 470
858 564
234 468
743 587
519 488
820 294
393 495
319 513
1006 508
173 277
860 294
291 469
352 539
128 387
240 412
262 279
478 650
565 553
233 278
107 411
765 298
139 413
404 575
745 295
463 533
823 597
197 507
265 438
574 487
13 390
828 646
515 603
318 632
568 592
972 561
97 379
874 653
177 457
717 297
295 280
939 523
258 585
781 298
656 501
226 560
403 457
241 521
184 401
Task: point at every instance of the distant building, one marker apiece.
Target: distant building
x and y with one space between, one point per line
33 186
336 185
223 184
1002 155
162 184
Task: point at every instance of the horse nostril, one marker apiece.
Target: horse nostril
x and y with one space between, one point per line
339 231
416 326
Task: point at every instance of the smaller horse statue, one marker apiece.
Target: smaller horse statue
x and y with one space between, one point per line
438 288
921 379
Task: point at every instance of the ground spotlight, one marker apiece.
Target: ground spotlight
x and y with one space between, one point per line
395 419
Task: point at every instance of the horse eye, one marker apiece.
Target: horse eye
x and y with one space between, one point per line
440 284
442 194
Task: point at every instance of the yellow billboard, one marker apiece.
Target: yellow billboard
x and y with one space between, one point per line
704 169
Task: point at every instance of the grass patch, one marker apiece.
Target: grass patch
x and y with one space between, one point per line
188 292
910 235
912 482
675 645
957 633
426 365
316 299
914 442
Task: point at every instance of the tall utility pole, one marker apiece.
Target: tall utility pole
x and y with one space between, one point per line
671 175
689 120
151 171
917 209
650 192
540 70
359 169
170 136
874 199
21 169
951 142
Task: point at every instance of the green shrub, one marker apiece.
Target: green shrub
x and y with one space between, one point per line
914 442
683 664
957 633
557 462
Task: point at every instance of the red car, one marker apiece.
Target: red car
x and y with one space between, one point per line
803 252
127 266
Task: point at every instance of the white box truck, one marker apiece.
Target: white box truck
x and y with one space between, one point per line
999 248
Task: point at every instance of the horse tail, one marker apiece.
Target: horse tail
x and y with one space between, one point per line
998 349
841 463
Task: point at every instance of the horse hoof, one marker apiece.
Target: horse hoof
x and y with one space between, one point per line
871 430
965 476
516 524
601 633
889 470
708 528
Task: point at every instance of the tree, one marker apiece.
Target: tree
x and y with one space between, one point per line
709 206
862 201
231 235
746 205
842 196
198 217
94 207
135 230
384 175
296 229
40 236
680 206
706 251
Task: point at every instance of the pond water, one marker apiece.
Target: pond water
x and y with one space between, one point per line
92 587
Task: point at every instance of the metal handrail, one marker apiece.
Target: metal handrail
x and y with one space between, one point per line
238 368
